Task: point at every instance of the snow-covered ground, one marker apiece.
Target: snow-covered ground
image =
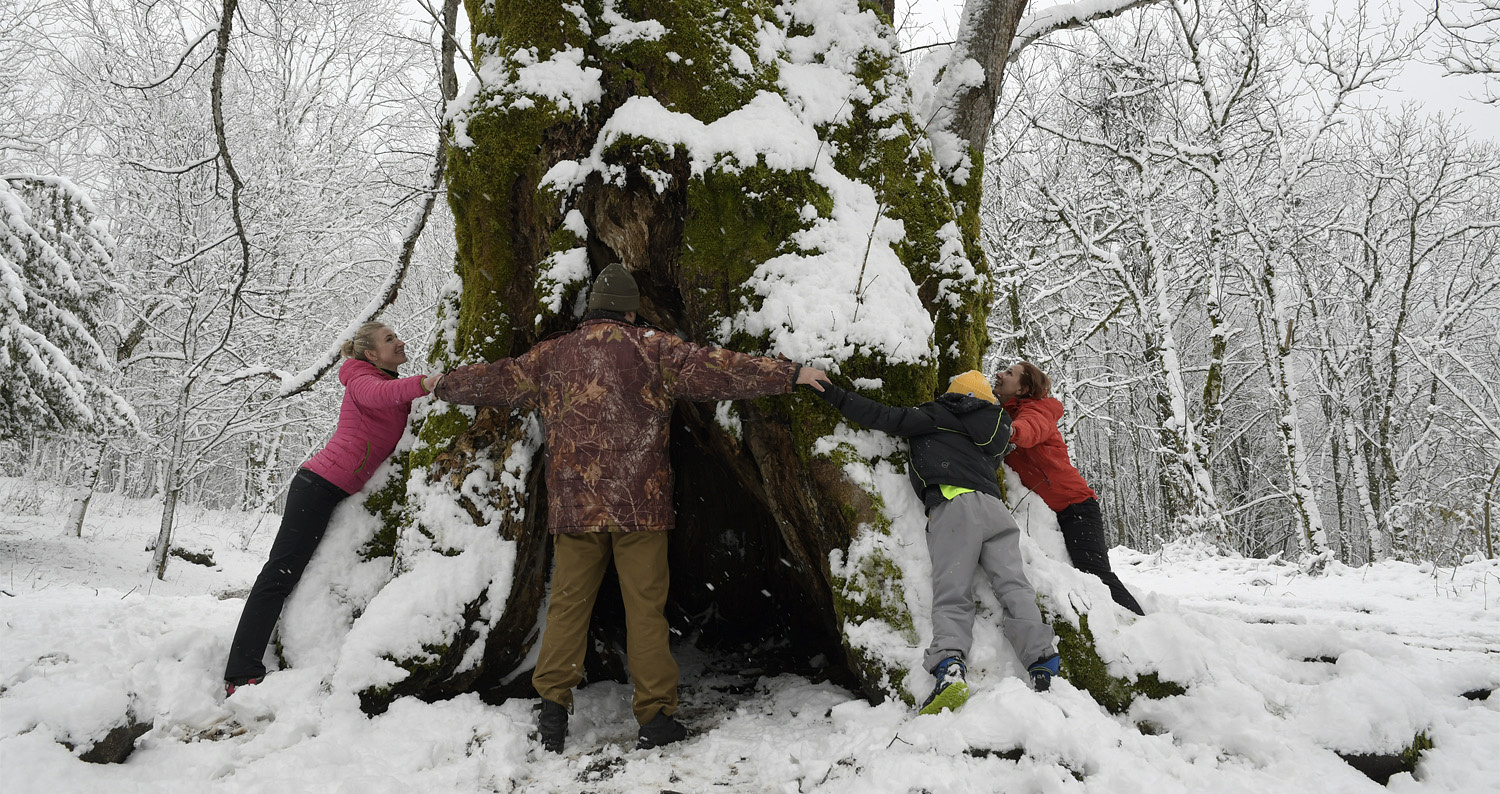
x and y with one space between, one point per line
1288 669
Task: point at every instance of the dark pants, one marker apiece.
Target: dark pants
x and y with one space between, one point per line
309 505
1083 531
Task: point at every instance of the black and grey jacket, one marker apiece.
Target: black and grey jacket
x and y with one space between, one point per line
956 439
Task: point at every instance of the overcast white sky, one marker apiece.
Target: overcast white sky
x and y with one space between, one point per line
1423 84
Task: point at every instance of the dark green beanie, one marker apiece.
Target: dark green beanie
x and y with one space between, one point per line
614 289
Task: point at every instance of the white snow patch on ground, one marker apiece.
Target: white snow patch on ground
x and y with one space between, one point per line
1281 670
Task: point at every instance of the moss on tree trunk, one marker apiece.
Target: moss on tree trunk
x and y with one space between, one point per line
694 229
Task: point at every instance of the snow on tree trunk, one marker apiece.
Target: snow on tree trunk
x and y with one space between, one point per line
162 552
1341 420
1277 335
1489 509
1191 503
1187 471
171 487
761 170
89 480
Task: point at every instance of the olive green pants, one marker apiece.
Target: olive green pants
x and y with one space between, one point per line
579 562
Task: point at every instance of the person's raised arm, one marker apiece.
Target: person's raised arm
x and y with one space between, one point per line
372 389
1030 425
698 372
877 415
509 381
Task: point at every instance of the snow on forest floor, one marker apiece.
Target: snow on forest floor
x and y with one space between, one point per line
1353 659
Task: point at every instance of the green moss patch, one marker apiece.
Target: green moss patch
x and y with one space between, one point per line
704 61
1381 767
389 505
874 591
481 181
546 25
736 220
1084 668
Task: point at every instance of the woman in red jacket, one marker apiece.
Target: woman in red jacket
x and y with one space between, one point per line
1040 459
371 421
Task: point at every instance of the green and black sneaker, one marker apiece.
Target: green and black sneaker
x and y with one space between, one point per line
951 691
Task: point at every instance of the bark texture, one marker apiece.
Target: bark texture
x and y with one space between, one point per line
785 539
760 515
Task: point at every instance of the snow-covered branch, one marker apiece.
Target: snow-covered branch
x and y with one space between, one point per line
1470 33
179 169
1037 24
175 68
382 297
386 294
1484 415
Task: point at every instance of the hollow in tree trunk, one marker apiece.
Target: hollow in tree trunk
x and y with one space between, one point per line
763 171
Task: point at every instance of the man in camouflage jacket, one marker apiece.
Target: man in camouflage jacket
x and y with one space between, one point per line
605 393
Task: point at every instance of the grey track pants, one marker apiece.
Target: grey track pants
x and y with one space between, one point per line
975 531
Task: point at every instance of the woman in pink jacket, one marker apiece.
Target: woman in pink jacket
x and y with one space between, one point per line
371 421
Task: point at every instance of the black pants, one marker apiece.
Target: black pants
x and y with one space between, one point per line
1083 531
309 505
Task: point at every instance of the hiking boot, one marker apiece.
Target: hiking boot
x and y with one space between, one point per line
662 729
231 686
552 726
1043 670
951 691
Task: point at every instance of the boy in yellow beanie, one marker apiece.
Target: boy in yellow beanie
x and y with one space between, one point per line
957 443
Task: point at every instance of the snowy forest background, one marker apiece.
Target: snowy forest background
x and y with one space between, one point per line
1268 294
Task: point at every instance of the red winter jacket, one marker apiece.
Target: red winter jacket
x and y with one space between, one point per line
1040 457
371 421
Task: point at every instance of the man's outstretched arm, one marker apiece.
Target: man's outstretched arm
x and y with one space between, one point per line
702 372
503 382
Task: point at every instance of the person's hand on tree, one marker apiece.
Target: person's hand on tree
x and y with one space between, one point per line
809 376
430 383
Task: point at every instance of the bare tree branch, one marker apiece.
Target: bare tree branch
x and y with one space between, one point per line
237 185
304 380
1471 36
991 33
447 21
182 169
201 251
175 69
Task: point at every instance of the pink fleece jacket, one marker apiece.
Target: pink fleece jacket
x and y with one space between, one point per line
371 421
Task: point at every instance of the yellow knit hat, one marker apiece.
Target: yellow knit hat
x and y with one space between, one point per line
973 383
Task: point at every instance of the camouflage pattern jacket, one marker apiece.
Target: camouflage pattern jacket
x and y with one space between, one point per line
605 393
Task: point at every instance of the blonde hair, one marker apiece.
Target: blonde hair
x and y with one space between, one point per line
363 341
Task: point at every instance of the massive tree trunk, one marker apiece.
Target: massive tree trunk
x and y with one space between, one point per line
654 160
761 170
